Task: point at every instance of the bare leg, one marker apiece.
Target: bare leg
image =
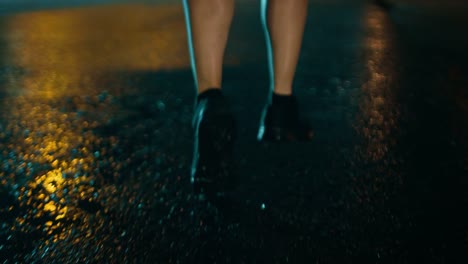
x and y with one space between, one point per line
208 23
286 22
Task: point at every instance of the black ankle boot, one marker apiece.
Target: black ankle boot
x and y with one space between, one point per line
281 122
215 132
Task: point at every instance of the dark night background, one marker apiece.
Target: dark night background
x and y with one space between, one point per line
96 101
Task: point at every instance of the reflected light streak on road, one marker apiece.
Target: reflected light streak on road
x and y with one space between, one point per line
378 110
54 163
64 50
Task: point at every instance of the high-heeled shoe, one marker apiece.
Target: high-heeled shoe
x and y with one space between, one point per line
215 133
281 122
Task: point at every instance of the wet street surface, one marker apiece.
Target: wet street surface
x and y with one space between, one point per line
96 139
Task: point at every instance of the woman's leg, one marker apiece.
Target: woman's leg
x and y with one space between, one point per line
286 21
208 23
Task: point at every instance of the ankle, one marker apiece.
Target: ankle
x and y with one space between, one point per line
282 93
282 88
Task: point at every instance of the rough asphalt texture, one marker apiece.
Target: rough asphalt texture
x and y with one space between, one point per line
96 139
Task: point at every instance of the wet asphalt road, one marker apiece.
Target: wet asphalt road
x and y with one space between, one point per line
96 143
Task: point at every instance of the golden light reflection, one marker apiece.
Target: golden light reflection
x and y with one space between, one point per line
63 51
378 111
136 37
44 140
